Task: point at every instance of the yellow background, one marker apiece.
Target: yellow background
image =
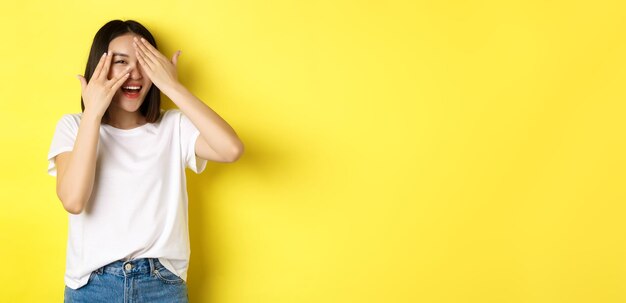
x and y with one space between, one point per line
396 151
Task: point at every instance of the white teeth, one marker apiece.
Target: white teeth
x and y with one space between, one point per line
132 87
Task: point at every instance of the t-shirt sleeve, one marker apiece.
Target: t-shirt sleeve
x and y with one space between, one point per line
62 140
188 136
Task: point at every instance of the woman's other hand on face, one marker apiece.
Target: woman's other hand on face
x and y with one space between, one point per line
98 93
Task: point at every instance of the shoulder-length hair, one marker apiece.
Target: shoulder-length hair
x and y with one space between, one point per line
151 106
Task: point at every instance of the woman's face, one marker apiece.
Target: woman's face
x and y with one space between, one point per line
132 93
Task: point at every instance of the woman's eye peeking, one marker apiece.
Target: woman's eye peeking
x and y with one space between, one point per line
120 61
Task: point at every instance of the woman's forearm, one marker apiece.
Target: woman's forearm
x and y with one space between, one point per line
219 135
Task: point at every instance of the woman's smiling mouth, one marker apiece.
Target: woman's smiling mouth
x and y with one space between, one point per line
131 91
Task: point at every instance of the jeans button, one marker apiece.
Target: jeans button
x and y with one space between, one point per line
128 266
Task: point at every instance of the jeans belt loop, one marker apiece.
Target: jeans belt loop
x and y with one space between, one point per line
152 267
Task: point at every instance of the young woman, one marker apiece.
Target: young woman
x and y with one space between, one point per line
120 171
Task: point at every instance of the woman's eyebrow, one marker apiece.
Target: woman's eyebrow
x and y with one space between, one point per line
120 54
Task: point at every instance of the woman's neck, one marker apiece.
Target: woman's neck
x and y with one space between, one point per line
124 119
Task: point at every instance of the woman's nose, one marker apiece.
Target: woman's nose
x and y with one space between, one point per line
135 72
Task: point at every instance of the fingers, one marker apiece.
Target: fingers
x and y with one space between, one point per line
96 72
143 60
83 82
121 77
119 81
148 48
175 57
143 53
104 74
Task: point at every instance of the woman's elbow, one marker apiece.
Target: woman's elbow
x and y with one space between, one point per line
72 206
236 153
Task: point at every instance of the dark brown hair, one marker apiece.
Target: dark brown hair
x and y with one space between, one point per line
151 106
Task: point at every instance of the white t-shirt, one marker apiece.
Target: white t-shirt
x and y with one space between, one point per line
138 205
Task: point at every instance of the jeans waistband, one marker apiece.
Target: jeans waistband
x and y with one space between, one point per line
140 266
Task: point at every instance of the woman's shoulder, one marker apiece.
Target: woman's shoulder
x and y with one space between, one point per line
171 114
70 118
68 122
171 111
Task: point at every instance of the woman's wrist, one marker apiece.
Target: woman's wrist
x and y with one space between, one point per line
172 89
91 116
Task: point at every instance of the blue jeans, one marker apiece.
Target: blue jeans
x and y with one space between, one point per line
134 281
